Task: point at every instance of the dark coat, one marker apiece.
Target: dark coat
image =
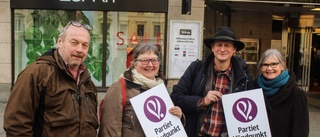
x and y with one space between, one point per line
290 116
191 88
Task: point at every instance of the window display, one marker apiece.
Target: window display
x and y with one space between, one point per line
113 36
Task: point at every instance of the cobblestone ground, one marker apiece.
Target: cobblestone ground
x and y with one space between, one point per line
314 118
313 111
2 107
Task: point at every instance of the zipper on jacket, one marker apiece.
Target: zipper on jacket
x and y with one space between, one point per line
79 98
74 107
202 79
88 104
133 129
131 118
246 84
246 81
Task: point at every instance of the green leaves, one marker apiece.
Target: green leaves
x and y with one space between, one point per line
32 37
43 35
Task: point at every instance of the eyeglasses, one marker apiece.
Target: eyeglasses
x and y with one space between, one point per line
79 24
272 65
145 61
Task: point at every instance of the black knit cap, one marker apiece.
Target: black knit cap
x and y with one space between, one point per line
225 34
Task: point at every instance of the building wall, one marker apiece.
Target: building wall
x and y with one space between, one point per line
246 24
5 52
174 13
255 25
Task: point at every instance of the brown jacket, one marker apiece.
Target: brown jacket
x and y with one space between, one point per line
46 101
114 121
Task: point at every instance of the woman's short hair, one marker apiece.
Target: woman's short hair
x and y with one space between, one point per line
271 52
145 48
141 49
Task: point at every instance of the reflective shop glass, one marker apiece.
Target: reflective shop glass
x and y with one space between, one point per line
113 36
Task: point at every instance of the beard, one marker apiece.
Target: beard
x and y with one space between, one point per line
74 61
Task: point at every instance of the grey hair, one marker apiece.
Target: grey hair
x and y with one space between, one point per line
63 33
144 48
141 49
271 52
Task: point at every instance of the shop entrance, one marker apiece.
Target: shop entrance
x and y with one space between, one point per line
303 57
296 37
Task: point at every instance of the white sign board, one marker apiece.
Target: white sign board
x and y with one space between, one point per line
246 114
184 47
152 109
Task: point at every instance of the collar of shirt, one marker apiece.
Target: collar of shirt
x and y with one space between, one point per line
81 69
226 72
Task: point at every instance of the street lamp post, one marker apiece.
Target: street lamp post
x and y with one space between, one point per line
35 16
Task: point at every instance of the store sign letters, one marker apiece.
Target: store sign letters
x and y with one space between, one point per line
104 1
95 5
134 38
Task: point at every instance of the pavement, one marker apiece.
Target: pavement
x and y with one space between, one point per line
2 108
313 105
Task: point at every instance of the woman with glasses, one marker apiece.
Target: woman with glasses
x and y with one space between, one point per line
118 119
289 117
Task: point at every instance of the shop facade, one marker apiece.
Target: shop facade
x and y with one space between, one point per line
31 27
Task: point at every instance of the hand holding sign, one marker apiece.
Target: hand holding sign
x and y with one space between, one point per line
151 108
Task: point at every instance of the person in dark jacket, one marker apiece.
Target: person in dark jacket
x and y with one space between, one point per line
200 88
289 117
54 96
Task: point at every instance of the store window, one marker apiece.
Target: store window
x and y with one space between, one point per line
156 30
127 30
113 36
250 53
18 23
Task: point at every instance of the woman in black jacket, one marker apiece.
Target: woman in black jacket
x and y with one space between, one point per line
289 116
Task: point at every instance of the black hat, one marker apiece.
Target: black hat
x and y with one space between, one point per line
226 34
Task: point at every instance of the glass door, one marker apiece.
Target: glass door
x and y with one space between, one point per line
299 55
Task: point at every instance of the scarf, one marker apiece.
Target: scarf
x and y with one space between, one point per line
143 81
271 87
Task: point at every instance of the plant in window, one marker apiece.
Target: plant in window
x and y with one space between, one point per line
43 35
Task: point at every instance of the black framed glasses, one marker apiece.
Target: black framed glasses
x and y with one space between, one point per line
79 24
272 65
146 61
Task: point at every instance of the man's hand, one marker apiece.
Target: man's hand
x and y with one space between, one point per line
212 96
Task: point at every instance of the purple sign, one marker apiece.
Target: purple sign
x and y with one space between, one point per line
244 110
154 109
